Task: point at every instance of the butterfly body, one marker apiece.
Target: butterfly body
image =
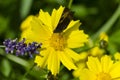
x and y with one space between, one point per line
64 20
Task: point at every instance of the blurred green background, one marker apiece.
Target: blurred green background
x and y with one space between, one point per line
92 13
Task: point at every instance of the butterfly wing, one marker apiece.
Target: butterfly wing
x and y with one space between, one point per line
66 17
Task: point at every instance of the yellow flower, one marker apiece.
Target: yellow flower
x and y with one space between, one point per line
117 56
76 73
56 45
103 69
103 36
95 51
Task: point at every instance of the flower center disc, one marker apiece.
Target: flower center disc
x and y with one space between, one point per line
57 41
103 76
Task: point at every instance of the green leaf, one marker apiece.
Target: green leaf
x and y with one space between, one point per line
38 73
10 34
5 67
6 2
25 7
83 11
112 48
115 37
3 24
61 2
18 60
114 42
118 1
80 10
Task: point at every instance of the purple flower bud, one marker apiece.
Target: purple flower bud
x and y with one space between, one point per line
21 48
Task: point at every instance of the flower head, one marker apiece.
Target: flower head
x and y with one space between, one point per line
103 36
117 56
95 52
57 33
103 69
21 48
10 45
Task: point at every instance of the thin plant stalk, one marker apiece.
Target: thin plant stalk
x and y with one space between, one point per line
108 24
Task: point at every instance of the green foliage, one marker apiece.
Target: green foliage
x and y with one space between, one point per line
114 41
3 24
92 13
115 37
82 11
5 67
25 7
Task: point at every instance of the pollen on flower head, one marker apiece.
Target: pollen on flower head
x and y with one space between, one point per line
103 76
57 41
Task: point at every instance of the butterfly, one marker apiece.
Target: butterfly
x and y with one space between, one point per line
66 17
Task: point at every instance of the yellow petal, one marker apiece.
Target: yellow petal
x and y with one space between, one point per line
72 54
115 71
32 36
56 15
39 28
53 62
73 25
42 60
96 51
87 75
94 65
37 32
66 60
117 56
103 36
26 23
77 39
117 79
46 20
83 56
78 72
106 63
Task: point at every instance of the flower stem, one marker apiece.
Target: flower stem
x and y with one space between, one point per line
108 24
70 4
28 71
2 46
